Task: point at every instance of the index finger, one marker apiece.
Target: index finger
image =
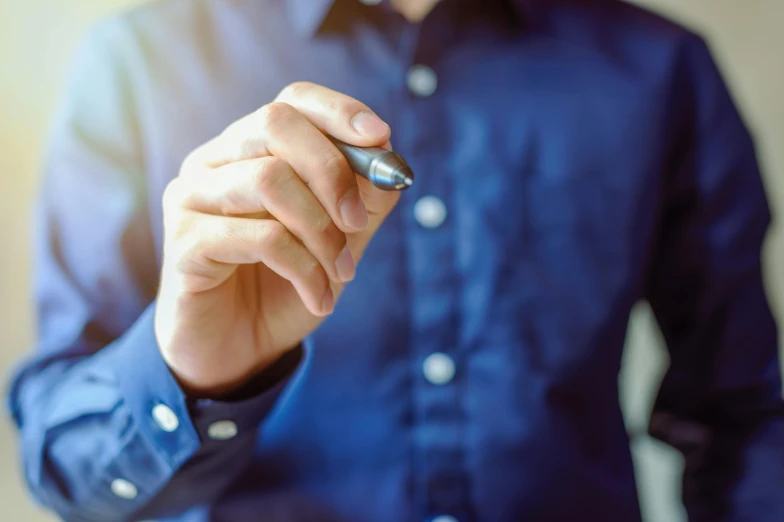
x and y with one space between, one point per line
337 114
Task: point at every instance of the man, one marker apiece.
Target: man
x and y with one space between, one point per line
235 327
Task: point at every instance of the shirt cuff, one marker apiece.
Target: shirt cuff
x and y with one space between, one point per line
175 424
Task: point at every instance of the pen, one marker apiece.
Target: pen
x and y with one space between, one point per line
387 170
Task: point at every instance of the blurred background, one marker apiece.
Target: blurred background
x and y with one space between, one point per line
37 42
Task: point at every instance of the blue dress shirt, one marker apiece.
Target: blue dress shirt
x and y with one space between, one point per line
572 158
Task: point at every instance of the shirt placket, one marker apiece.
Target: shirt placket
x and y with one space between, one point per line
440 477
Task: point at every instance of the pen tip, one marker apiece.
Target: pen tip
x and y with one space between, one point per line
404 178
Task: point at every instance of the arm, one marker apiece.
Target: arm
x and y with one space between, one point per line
84 403
720 403
262 230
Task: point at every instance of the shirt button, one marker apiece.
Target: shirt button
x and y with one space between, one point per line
124 489
222 430
430 212
444 518
438 368
165 418
422 80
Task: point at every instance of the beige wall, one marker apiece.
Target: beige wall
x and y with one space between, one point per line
37 41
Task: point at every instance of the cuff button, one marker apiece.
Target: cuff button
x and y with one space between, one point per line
124 489
165 418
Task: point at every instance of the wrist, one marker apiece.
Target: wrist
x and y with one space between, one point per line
255 382
212 380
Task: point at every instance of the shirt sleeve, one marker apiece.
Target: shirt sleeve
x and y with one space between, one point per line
106 432
720 402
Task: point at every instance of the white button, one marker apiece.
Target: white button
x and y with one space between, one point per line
165 418
444 518
222 430
430 212
422 80
124 489
370 2
438 368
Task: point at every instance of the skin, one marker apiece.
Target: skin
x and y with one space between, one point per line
414 10
263 227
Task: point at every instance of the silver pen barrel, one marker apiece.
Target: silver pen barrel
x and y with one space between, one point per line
387 170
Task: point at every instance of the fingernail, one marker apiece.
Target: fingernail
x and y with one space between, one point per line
369 125
344 265
328 301
353 211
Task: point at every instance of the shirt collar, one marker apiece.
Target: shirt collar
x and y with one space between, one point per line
307 15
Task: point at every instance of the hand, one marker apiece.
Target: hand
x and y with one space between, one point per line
263 227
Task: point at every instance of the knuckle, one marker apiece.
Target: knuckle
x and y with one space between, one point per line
274 234
275 113
173 194
190 161
269 173
313 273
329 237
193 272
334 164
323 225
184 255
177 228
294 90
221 232
181 247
